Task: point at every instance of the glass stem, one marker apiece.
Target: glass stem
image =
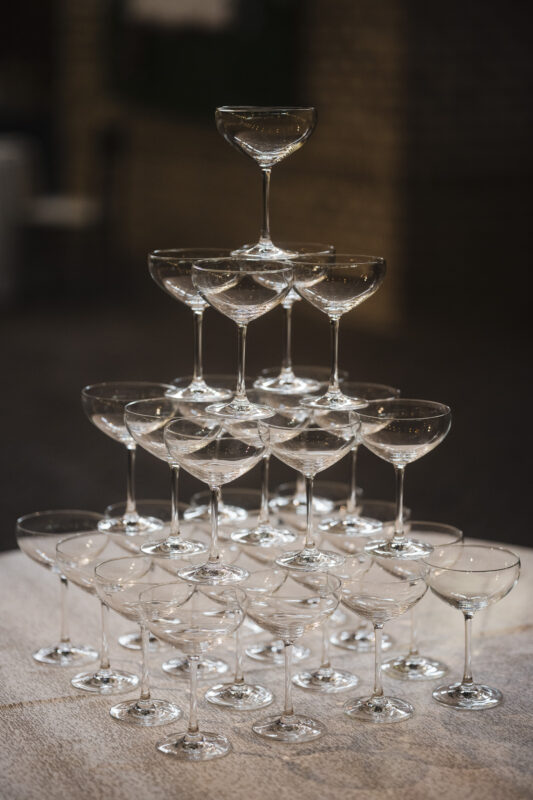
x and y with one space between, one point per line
300 485
174 512
264 512
378 686
240 393
467 675
131 510
213 549
325 647
334 377
145 677
104 653
198 368
398 524
286 364
239 671
64 637
265 219
309 543
352 500
413 648
192 727
288 710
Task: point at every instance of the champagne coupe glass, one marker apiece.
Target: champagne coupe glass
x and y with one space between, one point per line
336 284
401 431
413 666
288 612
470 577
195 623
172 271
267 134
379 596
327 679
77 557
37 536
104 404
349 520
119 583
146 420
328 437
242 289
216 458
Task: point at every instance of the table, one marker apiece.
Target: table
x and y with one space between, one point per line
61 743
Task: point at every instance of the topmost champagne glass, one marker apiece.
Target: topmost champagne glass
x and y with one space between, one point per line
267 134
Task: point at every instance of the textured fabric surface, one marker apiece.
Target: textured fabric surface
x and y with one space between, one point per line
61 743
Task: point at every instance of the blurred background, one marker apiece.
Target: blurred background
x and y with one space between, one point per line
422 154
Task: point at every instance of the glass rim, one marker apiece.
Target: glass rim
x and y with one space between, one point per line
355 259
71 537
192 587
119 558
278 592
515 563
87 390
443 412
340 427
265 109
436 527
183 253
21 521
164 398
208 265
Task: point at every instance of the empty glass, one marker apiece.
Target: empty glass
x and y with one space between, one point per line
172 271
242 289
289 611
336 284
104 404
267 134
469 577
37 536
119 583
401 431
146 420
77 557
413 666
379 596
195 622
290 503
215 457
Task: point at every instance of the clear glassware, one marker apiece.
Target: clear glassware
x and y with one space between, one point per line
401 431
234 507
361 639
327 679
469 577
119 583
242 289
289 611
77 556
348 519
146 420
195 622
379 596
267 134
413 666
290 503
104 405
336 284
215 457
327 438
37 537
172 271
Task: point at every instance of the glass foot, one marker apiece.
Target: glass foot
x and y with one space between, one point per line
414 668
199 392
239 696
272 652
378 709
287 383
361 640
226 513
325 680
468 696
338 617
350 525
308 560
215 573
146 713
173 548
130 526
240 410
207 668
334 401
262 249
66 655
132 641
408 549
295 502
195 747
105 681
289 729
264 536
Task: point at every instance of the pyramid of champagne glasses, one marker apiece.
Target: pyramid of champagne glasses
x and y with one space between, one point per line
236 564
